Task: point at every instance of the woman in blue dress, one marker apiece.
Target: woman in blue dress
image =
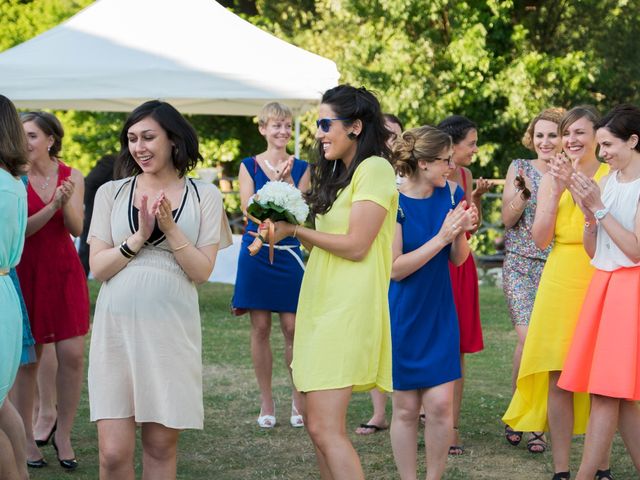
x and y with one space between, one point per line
13 218
432 222
261 287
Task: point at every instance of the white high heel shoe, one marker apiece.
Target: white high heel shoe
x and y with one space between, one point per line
267 421
296 419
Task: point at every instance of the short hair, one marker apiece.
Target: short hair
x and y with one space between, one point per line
457 126
576 113
551 115
422 143
273 110
13 142
390 117
50 125
622 121
185 155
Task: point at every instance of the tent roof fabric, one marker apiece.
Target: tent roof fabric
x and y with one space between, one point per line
195 54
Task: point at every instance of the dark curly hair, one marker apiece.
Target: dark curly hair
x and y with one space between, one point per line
353 104
13 143
185 154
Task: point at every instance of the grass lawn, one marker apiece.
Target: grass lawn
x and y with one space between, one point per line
231 446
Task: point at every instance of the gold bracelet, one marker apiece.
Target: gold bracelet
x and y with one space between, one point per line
295 231
181 247
512 207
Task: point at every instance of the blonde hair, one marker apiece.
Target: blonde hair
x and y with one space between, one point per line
551 115
273 110
422 143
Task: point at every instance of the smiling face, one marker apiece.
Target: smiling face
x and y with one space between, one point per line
38 142
579 139
615 151
150 146
277 132
546 140
464 150
437 172
335 143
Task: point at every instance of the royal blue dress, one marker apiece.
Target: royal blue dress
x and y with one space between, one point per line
259 284
425 336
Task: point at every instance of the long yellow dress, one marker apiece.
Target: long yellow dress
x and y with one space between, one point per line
343 333
562 289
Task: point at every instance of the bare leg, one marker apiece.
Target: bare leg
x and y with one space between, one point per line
458 388
116 444
438 406
560 416
288 327
404 431
379 418
70 354
160 452
326 419
8 467
629 427
11 424
22 397
603 421
46 411
261 356
521 330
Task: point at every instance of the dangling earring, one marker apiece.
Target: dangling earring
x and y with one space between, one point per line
334 167
48 148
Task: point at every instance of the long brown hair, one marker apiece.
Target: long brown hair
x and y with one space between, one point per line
13 142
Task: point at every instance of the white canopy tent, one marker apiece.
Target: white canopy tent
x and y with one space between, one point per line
195 54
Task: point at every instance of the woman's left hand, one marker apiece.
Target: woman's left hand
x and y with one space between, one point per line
586 192
469 221
286 171
162 210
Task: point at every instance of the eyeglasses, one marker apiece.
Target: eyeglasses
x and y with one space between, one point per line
324 124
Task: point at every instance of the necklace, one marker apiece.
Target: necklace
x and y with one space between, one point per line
45 183
271 167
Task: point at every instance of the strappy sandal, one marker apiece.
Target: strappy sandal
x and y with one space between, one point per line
536 443
512 436
604 474
561 476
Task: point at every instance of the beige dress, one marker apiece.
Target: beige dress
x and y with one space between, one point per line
145 355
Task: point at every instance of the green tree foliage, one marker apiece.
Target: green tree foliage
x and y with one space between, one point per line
498 62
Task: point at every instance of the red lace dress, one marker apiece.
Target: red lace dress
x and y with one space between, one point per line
464 282
51 276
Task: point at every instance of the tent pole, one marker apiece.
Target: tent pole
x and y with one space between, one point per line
297 137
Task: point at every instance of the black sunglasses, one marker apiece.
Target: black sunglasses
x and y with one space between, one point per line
324 124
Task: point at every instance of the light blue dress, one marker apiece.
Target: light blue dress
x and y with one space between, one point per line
13 219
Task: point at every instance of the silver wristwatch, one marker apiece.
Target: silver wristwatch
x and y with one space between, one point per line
600 214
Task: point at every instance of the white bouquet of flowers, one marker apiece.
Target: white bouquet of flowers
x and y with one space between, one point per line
274 202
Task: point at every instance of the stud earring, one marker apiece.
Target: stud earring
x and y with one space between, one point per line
351 136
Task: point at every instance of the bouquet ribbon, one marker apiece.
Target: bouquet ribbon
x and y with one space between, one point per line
266 232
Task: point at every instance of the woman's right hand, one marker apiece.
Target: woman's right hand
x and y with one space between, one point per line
457 221
560 170
146 219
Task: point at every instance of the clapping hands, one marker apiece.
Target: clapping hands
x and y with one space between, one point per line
457 221
159 211
560 169
63 193
586 193
482 187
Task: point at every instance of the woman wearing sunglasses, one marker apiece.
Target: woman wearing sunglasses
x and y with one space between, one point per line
343 341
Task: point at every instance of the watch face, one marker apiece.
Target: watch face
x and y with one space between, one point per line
600 214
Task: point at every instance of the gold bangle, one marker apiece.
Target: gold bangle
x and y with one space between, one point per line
181 247
295 231
512 207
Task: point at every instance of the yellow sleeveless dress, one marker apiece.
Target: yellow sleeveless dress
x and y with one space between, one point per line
563 285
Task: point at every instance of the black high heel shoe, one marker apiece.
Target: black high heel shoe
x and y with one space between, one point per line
68 464
41 463
42 443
